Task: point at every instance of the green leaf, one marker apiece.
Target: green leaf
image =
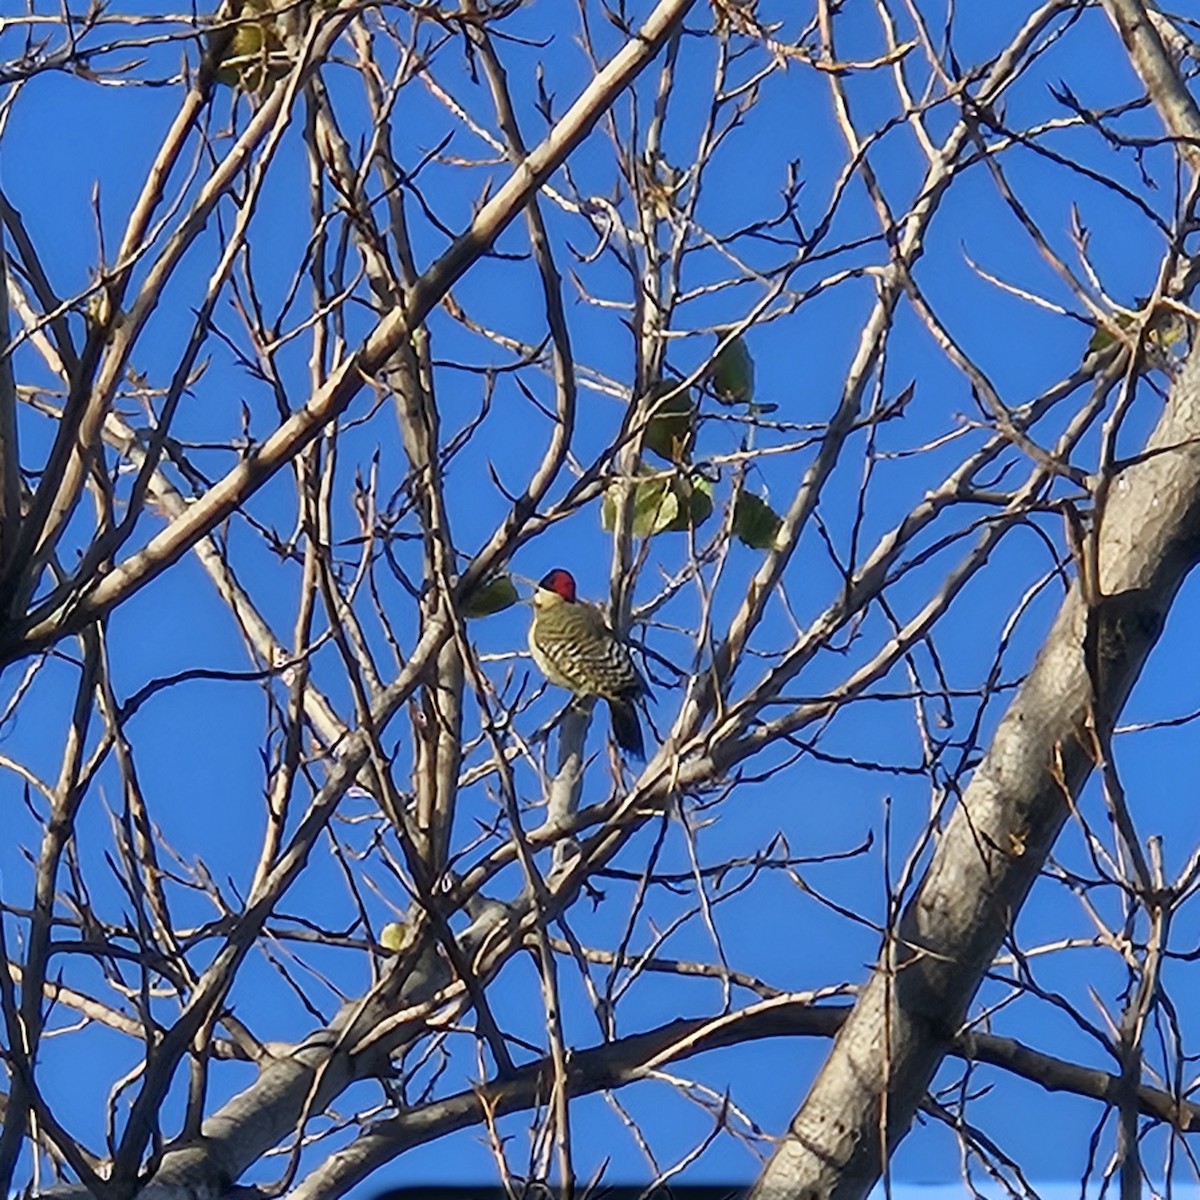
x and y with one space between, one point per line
695 504
755 522
655 506
732 371
665 505
608 509
670 430
660 512
493 596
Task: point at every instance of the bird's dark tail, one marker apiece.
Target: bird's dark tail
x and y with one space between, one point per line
627 728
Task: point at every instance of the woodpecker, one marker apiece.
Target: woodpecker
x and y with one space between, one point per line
575 649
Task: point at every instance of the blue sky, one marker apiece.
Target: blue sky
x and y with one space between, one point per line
199 745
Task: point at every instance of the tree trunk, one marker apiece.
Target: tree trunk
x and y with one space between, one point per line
864 1098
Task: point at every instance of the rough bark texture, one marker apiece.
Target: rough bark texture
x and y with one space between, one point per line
999 835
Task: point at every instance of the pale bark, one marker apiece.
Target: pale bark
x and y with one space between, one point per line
997 839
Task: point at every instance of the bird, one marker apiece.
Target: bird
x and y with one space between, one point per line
574 648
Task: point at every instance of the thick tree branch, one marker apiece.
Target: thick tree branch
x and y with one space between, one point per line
986 861
1166 89
276 451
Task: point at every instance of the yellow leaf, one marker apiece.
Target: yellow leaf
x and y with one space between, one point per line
254 55
394 936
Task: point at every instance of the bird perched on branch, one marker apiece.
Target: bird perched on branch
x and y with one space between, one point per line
575 649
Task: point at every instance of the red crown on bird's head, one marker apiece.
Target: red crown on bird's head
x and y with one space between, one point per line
559 581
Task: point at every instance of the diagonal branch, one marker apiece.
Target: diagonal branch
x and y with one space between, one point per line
344 383
865 1095
636 1056
1166 89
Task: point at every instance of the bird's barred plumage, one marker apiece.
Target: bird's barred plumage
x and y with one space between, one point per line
573 646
